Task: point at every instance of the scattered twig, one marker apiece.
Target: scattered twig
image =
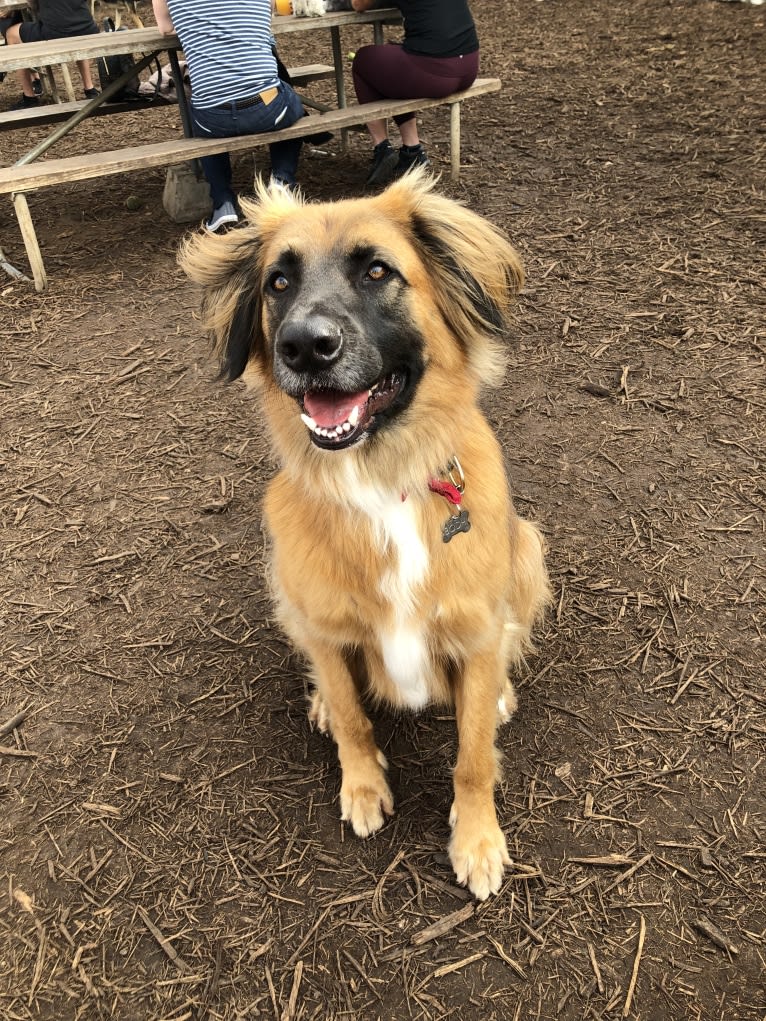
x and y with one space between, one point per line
626 875
636 963
13 723
289 1012
447 969
444 924
596 969
714 934
378 910
17 753
164 944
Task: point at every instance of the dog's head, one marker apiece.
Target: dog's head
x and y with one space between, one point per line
348 309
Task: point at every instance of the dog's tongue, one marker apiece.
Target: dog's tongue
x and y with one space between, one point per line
332 407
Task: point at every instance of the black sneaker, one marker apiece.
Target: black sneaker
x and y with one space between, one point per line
92 93
25 102
410 156
382 164
37 86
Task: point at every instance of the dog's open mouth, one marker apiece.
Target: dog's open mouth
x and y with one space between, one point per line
336 419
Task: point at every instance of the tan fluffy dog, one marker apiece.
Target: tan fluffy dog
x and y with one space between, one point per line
400 567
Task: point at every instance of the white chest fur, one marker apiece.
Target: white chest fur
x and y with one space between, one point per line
403 641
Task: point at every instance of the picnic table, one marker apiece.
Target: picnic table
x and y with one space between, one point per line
27 174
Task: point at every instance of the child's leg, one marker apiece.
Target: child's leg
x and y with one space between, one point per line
83 66
12 37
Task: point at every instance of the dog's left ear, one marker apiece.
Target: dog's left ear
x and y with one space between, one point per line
476 271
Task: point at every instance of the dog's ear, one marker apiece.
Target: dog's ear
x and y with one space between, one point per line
475 270
229 269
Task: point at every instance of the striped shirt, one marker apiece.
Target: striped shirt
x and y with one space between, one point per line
227 45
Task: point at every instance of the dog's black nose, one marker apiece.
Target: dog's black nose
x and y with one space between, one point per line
310 344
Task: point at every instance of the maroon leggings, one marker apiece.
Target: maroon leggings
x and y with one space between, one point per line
389 72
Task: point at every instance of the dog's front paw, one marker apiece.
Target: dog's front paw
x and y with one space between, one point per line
478 855
364 802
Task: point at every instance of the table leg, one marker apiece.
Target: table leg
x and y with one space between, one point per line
48 75
68 83
31 243
340 84
183 107
337 59
454 140
183 103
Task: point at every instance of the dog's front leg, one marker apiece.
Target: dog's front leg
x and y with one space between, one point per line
364 794
477 849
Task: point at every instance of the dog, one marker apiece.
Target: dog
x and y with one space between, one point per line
400 568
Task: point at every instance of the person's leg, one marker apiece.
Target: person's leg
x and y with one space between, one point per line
217 170
389 72
432 77
83 66
216 123
284 109
285 155
25 77
372 73
409 131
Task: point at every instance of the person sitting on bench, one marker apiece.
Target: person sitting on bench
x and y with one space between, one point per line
439 56
54 19
236 89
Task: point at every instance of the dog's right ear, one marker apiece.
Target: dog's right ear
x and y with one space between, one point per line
228 269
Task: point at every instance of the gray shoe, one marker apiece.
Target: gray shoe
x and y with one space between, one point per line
382 165
224 216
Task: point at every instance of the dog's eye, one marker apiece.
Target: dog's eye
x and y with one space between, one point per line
278 282
377 271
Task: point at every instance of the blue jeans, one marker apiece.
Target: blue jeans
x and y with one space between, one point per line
227 121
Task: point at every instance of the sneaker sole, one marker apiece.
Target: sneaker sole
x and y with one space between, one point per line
223 222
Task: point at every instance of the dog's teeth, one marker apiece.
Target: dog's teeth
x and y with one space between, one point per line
353 418
346 427
309 422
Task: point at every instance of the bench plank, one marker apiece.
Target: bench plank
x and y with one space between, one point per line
68 169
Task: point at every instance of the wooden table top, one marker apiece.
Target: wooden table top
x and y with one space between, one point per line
147 40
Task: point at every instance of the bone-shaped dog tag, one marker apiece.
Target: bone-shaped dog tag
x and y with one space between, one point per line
456 523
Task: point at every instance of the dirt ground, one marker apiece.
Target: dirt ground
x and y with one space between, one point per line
170 846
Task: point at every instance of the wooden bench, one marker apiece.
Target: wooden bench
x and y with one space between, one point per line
19 180
51 113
